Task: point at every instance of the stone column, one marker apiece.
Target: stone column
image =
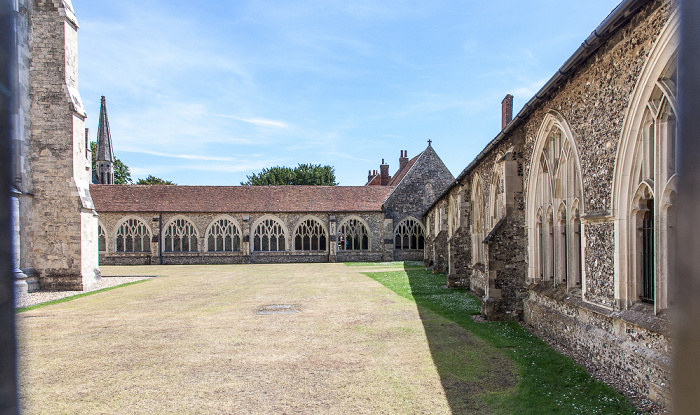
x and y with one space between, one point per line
333 239
245 238
388 242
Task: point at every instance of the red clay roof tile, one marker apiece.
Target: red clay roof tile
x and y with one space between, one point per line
143 198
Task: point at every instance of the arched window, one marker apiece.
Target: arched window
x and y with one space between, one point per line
180 236
310 236
497 194
478 222
555 188
223 236
269 236
101 239
409 234
133 236
353 236
645 178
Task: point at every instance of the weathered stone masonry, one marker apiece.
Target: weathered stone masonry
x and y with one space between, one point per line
57 222
567 253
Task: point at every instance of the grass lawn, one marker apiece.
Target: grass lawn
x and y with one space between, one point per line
548 382
194 341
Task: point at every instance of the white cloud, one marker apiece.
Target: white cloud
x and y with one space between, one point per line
261 122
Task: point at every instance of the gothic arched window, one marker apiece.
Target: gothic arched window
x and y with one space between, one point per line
353 236
223 236
645 180
310 236
409 234
101 239
554 194
478 225
269 236
180 236
133 236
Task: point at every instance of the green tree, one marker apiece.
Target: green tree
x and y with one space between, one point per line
122 174
303 174
154 180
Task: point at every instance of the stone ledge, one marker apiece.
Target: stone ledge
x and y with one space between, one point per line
639 315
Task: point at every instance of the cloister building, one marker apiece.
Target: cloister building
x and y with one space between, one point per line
566 219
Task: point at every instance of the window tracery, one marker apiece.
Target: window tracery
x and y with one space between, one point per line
553 202
269 236
409 234
180 236
478 225
133 236
223 236
310 236
353 236
101 239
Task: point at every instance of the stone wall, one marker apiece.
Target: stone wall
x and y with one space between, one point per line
246 223
62 224
630 345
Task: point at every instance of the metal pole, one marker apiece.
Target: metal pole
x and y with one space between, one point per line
686 368
9 403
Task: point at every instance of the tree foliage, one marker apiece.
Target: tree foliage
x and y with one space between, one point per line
154 180
304 174
122 174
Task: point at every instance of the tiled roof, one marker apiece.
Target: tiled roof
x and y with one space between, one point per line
401 173
163 198
376 181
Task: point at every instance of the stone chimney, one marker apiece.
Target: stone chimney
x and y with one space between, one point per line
384 174
506 111
403 160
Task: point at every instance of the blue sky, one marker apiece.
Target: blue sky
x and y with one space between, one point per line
206 92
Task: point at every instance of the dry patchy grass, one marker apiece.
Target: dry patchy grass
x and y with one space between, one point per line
191 342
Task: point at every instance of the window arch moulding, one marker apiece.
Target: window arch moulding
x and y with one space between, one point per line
647 158
555 185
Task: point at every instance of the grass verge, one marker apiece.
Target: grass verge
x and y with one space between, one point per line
73 297
548 381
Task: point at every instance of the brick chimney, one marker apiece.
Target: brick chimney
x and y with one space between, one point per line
384 174
403 160
506 111
369 176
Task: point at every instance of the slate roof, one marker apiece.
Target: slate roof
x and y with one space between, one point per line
402 173
219 199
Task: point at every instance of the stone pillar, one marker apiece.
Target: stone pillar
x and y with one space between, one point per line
156 224
388 242
20 278
245 238
333 240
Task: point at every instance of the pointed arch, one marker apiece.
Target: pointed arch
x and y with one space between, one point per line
554 182
310 235
101 238
646 162
132 234
409 234
353 234
180 235
269 234
223 235
478 224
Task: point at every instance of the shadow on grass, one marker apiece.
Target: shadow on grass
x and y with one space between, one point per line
495 367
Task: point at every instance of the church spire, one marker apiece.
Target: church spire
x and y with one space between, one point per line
105 154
